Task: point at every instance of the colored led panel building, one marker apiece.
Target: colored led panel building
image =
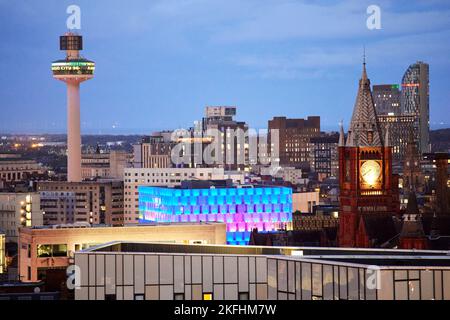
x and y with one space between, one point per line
242 209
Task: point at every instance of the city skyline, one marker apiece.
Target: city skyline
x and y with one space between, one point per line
227 59
257 150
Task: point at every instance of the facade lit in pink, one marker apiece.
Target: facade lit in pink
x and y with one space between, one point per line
242 209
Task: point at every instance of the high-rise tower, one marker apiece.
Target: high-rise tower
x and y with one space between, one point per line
415 100
73 70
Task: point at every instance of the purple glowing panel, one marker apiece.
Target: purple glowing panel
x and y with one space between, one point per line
242 209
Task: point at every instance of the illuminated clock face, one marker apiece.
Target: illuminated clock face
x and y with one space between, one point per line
370 172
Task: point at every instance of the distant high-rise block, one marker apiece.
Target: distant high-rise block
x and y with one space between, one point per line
93 202
386 98
415 101
294 138
231 140
400 126
324 155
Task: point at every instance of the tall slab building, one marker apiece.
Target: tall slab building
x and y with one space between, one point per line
415 101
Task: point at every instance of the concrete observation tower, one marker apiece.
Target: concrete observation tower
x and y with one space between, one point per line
73 70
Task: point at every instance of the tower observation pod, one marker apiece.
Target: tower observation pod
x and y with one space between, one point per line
73 70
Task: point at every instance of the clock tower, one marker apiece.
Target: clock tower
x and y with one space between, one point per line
367 187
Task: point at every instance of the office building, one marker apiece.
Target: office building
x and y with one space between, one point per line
94 202
152 271
390 116
400 126
45 252
105 165
415 101
241 208
171 149
168 177
386 99
229 137
293 138
324 155
14 168
154 151
413 178
19 210
73 70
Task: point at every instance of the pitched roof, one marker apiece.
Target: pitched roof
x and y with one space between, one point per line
364 128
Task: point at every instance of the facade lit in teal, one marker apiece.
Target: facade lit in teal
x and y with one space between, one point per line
242 209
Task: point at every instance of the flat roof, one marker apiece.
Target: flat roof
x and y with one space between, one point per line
204 186
105 226
357 256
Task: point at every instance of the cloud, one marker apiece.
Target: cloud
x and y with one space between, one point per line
326 60
287 20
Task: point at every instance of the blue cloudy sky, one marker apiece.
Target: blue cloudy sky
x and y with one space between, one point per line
160 62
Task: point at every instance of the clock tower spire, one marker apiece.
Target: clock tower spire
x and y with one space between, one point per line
368 190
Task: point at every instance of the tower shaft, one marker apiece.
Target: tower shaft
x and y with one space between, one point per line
73 132
73 70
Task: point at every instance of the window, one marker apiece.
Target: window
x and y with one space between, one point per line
243 296
179 296
51 250
60 250
138 297
44 250
207 296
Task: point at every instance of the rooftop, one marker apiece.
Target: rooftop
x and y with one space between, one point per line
379 257
105 226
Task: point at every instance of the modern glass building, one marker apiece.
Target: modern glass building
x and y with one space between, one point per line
242 209
415 100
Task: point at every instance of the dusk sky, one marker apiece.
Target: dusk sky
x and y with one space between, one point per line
159 63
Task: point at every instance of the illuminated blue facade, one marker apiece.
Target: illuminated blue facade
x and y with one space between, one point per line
242 209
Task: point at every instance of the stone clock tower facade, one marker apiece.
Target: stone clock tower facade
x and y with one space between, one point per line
368 189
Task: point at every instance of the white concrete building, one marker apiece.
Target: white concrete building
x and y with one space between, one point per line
167 177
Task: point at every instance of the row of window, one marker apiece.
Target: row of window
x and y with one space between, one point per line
57 250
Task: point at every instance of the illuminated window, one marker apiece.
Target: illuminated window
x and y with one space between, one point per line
49 250
207 296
